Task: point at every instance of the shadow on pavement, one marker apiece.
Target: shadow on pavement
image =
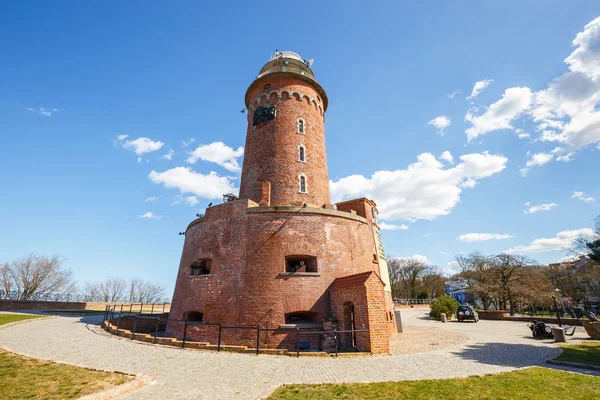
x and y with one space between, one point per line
505 354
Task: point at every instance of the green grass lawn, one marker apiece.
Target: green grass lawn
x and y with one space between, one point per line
8 318
584 353
528 384
28 378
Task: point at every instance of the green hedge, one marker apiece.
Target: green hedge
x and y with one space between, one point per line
444 304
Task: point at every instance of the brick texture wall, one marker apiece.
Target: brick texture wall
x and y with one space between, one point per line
271 152
247 284
15 305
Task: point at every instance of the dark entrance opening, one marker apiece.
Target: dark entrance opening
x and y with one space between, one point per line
193 316
349 338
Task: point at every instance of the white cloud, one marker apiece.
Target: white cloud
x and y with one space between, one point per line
187 142
191 200
440 123
566 111
152 199
566 157
416 257
562 241
169 155
447 156
521 134
479 86
482 237
537 159
424 190
392 227
540 207
580 196
499 115
577 195
141 145
46 112
218 153
211 186
150 215
453 94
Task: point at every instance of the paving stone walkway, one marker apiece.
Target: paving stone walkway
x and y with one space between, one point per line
486 347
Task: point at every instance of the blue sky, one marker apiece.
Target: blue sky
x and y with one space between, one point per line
76 76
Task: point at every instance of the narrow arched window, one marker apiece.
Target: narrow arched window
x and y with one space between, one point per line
300 125
302 184
301 155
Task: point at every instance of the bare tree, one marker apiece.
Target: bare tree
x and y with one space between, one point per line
6 279
109 290
432 281
405 273
36 275
588 244
141 291
504 281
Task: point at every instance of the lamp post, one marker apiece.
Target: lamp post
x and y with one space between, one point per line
557 290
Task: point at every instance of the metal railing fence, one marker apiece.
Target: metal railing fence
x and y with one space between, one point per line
410 302
138 311
66 297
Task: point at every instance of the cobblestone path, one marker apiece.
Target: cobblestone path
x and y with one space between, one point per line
472 349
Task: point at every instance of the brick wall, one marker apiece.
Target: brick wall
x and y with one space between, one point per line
271 150
16 305
247 246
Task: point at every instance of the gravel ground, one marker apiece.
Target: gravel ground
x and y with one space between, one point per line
462 349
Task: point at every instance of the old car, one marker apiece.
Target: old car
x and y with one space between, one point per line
466 313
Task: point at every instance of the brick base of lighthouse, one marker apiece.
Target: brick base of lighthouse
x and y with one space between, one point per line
244 251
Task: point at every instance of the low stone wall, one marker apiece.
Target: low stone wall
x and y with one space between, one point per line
17 305
35 305
492 315
504 316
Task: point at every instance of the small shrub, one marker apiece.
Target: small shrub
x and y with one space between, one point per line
444 304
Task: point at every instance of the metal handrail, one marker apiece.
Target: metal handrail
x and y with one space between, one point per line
111 310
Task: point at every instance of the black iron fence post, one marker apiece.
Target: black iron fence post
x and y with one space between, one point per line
257 338
156 330
184 333
134 327
142 308
219 341
105 313
130 307
335 337
164 304
119 317
152 311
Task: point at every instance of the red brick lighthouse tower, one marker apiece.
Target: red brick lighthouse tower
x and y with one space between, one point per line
282 256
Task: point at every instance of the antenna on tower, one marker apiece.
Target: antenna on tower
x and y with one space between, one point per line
309 62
